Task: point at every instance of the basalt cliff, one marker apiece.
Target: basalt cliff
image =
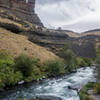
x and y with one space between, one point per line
23 9
19 17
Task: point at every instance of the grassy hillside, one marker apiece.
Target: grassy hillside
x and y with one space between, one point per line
17 44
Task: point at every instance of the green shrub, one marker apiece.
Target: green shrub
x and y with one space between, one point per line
8 76
88 61
25 65
98 60
84 62
21 68
70 59
97 52
80 61
84 92
90 85
2 78
55 67
29 67
84 96
98 68
97 88
36 73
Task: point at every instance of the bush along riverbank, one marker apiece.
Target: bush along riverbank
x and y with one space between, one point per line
42 98
84 95
91 91
24 69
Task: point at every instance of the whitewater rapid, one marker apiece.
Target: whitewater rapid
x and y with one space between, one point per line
54 87
76 15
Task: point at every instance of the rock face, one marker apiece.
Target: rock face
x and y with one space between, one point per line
54 40
85 46
51 39
23 9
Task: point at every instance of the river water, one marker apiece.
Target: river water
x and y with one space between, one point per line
54 87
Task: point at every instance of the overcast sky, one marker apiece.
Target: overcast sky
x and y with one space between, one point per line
56 13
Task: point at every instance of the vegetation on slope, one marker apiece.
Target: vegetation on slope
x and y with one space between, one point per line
95 87
28 68
36 61
95 91
84 92
23 67
72 61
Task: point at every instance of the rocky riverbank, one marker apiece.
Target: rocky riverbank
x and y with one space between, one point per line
88 92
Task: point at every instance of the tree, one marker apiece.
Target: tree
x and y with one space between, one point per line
55 67
70 58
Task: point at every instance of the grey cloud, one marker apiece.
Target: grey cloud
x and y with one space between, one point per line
43 2
61 12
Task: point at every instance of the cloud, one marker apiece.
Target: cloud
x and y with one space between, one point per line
45 2
63 12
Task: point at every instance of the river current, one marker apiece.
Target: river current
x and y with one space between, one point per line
54 87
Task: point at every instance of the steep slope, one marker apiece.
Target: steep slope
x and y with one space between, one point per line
18 44
53 40
92 32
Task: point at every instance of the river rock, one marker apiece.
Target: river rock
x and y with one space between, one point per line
21 82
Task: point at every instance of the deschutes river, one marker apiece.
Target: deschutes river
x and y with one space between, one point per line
57 87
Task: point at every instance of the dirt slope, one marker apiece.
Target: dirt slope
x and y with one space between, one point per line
18 44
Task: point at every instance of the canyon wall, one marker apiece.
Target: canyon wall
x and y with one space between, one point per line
21 9
18 16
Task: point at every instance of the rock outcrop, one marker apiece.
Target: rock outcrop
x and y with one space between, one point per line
54 40
23 9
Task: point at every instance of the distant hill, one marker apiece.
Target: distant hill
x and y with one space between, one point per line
74 34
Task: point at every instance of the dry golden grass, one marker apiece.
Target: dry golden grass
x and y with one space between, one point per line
18 44
98 45
92 33
8 21
72 34
5 20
